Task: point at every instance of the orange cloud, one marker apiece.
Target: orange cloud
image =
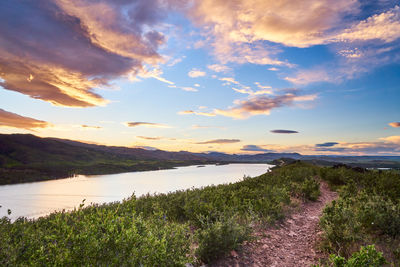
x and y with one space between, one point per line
395 124
9 119
219 141
237 29
149 138
91 127
392 139
75 47
262 105
309 76
146 124
240 26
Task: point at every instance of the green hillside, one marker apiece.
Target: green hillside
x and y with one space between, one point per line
26 158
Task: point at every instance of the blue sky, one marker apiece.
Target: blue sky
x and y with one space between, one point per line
205 75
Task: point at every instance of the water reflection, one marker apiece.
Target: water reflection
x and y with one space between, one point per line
38 199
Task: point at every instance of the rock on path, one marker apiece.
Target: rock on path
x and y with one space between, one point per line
290 244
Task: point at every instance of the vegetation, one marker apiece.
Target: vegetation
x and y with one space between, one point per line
367 256
196 225
367 212
27 158
200 225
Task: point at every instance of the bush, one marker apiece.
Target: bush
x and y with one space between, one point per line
216 238
340 226
366 257
94 236
378 214
310 189
368 210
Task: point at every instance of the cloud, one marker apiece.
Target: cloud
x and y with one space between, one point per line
219 141
310 76
255 148
264 89
300 24
146 124
194 73
262 105
384 26
327 144
175 61
189 89
188 112
388 145
205 127
154 73
332 149
9 119
395 124
219 68
149 138
90 127
392 139
273 69
240 27
60 51
262 86
147 148
252 31
229 80
284 131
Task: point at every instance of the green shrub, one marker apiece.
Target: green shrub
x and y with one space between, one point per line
97 235
366 257
310 189
377 213
340 226
368 210
216 238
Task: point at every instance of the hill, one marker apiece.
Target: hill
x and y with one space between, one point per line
27 158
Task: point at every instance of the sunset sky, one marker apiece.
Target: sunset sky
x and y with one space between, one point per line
239 76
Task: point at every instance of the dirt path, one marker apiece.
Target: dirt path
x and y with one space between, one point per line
290 244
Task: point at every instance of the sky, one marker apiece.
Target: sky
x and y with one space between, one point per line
240 76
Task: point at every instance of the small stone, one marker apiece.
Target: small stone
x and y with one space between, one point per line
234 254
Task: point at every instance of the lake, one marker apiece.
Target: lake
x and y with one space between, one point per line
37 199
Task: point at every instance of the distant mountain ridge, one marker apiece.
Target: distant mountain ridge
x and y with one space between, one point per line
26 157
52 145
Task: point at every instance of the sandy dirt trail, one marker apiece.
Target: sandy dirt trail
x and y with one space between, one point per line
291 243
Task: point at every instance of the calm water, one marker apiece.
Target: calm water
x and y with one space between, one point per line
38 199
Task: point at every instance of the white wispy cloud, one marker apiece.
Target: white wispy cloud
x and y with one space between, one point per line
195 73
